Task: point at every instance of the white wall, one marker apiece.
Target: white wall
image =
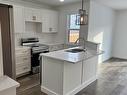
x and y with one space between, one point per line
63 12
1 56
101 24
120 35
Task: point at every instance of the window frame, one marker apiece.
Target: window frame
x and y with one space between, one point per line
68 28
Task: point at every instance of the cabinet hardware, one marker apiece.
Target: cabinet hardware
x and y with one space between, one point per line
25 68
34 17
25 59
50 29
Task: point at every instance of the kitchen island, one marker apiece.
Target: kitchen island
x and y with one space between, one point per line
67 73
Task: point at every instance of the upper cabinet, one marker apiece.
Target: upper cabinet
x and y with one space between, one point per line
19 22
33 15
49 21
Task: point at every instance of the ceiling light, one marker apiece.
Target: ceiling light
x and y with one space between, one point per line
82 18
61 0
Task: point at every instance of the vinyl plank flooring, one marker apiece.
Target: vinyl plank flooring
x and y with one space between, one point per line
29 85
112 79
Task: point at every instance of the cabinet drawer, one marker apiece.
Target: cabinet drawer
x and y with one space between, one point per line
23 60
23 65
23 52
20 69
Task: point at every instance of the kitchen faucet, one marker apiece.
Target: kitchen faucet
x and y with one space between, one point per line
78 40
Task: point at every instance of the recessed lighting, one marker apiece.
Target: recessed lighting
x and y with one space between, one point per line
61 0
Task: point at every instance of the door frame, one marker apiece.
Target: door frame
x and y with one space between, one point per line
7 35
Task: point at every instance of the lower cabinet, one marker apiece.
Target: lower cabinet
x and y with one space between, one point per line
23 61
66 78
71 77
89 69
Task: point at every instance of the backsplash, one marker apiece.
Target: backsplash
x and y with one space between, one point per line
31 30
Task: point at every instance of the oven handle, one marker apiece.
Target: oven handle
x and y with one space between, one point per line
40 52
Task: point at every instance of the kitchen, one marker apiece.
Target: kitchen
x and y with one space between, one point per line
43 36
36 27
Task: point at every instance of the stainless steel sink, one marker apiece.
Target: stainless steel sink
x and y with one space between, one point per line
76 50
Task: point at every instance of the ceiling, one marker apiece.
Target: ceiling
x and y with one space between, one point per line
52 2
115 4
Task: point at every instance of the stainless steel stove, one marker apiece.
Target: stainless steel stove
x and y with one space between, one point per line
36 49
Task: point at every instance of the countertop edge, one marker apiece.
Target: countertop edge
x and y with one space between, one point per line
74 61
9 83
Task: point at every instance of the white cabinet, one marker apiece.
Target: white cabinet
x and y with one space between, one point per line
49 21
72 76
19 22
23 60
48 18
89 69
60 77
32 15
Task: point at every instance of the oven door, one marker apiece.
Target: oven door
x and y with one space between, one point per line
35 66
35 62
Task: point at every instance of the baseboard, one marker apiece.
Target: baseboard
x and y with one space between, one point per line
47 91
73 92
81 87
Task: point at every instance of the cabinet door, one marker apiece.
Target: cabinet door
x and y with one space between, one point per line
45 21
89 69
28 14
54 21
37 17
49 21
33 15
19 22
72 76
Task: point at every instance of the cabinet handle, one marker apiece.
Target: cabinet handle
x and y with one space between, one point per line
50 29
25 68
34 17
25 59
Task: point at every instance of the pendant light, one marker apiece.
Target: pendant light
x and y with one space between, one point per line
82 18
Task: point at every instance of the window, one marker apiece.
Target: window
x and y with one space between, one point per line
73 29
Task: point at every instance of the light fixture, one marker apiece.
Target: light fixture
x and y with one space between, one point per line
61 0
82 17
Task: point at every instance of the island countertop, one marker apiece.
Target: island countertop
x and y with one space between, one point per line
72 57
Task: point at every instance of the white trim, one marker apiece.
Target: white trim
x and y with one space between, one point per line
1 54
67 26
76 90
73 92
48 91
